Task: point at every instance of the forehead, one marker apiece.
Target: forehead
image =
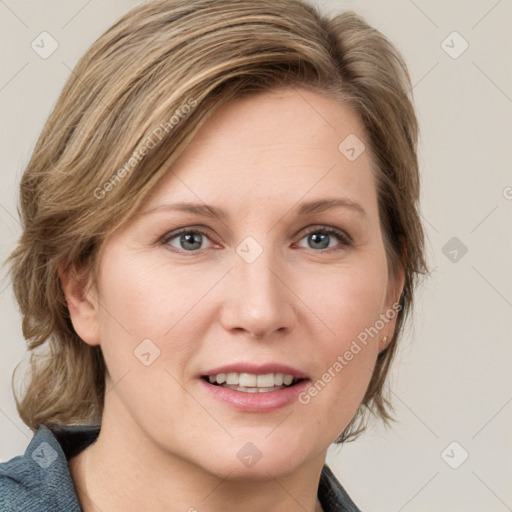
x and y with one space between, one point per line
273 149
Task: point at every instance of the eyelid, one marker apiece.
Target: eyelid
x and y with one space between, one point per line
344 237
192 229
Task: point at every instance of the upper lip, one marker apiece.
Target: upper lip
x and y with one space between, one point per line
256 369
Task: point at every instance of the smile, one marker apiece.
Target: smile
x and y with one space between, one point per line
254 387
251 382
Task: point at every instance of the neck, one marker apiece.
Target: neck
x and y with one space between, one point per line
123 470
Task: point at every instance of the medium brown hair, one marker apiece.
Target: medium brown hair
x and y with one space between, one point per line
129 109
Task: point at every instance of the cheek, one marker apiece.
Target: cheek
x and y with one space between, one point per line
147 299
349 302
347 299
139 305
142 305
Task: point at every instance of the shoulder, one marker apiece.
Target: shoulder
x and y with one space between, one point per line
332 495
40 479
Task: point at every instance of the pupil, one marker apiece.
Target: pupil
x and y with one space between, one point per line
191 241
320 239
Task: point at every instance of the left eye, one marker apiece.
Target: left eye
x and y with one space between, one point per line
322 238
188 240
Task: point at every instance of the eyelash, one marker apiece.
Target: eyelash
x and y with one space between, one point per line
344 239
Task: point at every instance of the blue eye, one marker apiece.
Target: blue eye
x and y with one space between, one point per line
318 238
188 240
325 238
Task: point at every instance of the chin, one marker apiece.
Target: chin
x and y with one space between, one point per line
252 457
262 470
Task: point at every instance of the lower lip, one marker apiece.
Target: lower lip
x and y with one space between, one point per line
256 402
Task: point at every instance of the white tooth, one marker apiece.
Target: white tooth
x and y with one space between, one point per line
278 379
232 378
249 390
266 381
250 381
247 380
288 379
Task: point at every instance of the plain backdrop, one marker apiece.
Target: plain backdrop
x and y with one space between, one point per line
451 449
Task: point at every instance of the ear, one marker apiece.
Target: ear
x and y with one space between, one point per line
392 307
82 304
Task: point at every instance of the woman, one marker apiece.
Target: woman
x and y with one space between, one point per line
221 241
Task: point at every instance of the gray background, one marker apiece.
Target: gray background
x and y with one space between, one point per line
452 380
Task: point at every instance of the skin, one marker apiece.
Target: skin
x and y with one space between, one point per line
165 442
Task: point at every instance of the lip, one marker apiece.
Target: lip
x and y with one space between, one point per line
256 369
256 402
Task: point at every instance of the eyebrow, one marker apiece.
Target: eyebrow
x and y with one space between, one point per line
326 204
204 210
210 211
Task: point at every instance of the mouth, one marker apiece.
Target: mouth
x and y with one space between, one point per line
253 382
254 388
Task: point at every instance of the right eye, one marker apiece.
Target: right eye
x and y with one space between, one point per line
187 240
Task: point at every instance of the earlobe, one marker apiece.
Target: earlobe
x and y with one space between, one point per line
82 304
383 343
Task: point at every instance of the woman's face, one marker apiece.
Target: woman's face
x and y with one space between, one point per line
288 277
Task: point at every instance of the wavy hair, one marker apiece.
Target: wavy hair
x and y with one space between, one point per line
91 169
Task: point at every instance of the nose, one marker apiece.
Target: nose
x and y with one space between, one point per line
257 298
